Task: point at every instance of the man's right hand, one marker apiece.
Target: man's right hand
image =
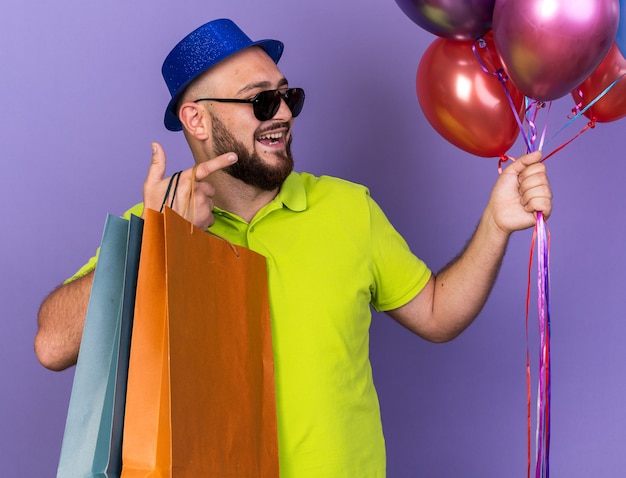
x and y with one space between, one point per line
201 203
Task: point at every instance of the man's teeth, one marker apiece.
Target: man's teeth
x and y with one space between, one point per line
271 136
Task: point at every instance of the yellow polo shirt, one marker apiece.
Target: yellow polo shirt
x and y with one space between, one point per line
331 253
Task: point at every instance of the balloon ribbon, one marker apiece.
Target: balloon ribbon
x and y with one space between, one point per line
541 236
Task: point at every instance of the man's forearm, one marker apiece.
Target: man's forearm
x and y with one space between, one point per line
60 324
463 287
453 298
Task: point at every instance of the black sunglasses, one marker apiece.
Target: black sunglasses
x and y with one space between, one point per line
266 103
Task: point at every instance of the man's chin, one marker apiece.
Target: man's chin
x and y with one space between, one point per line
263 177
275 157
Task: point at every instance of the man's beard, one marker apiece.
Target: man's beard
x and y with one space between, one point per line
250 168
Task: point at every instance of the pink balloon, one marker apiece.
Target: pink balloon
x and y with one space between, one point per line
611 106
466 105
453 19
548 47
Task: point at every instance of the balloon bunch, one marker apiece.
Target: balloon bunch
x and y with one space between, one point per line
540 50
483 81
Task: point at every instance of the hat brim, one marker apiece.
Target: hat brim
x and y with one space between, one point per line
273 48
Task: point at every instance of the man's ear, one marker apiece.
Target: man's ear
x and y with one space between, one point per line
195 120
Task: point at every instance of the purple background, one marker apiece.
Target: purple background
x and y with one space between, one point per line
82 97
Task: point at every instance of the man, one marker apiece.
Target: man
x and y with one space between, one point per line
331 253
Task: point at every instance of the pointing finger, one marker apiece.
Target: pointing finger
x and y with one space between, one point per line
205 168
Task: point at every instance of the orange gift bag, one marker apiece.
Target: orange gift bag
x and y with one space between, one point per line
201 397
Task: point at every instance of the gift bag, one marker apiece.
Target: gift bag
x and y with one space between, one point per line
201 397
92 441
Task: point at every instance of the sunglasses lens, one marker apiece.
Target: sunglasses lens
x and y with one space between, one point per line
295 100
266 105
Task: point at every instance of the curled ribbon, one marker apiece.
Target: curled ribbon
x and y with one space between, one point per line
540 236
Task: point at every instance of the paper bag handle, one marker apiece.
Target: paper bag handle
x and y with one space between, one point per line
173 180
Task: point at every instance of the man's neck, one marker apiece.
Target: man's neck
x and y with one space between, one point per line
237 197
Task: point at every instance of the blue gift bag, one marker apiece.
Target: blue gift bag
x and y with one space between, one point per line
92 441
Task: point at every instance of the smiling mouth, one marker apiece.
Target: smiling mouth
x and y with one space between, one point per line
271 139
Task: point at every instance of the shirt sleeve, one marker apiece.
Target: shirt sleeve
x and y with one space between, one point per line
399 274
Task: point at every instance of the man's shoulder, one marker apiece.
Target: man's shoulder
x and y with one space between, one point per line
136 210
330 184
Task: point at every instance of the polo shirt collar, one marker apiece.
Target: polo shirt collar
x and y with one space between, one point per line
292 195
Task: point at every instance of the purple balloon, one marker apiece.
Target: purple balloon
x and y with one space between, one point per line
548 47
452 19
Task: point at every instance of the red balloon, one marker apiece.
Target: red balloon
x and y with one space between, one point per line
466 105
611 106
